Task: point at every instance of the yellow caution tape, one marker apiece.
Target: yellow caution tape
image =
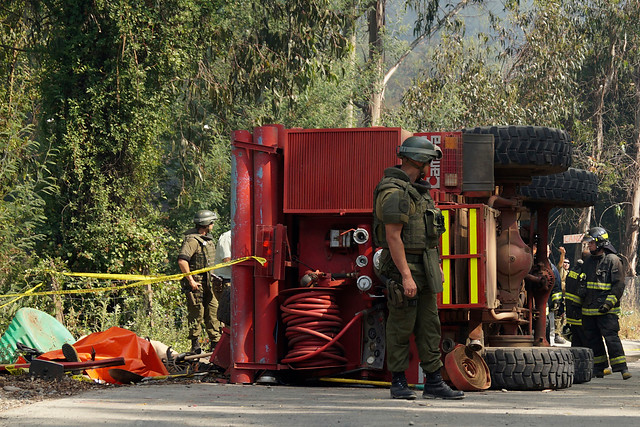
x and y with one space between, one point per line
29 292
142 280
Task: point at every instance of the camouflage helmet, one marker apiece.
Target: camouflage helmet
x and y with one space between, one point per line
204 218
601 237
420 149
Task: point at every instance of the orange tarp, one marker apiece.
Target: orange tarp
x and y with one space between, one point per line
139 355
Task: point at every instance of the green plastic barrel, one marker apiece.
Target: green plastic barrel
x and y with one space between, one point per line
35 329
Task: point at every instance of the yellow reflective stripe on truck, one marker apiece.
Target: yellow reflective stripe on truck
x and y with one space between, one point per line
446 263
473 250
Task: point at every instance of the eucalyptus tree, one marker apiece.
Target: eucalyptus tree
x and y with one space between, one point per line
430 15
627 109
522 70
603 24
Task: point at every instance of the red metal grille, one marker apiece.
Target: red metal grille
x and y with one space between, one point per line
336 170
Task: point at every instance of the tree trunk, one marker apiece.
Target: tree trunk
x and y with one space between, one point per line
583 225
630 246
57 301
616 54
351 114
376 56
376 60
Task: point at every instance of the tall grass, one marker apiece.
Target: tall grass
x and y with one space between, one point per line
630 304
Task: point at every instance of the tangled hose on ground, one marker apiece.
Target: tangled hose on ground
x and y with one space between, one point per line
313 327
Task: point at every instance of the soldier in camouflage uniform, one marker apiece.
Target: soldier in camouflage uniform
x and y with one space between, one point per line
198 251
407 225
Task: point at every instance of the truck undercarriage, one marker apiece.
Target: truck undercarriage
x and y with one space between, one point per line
302 199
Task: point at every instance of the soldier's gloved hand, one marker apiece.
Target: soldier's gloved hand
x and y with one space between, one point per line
604 308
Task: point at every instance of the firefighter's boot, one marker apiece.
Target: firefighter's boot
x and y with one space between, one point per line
436 388
601 374
399 387
626 374
195 346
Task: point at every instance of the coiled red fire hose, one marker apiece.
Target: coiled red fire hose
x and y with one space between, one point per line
313 327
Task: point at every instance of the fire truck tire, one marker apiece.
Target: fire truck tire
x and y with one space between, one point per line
583 364
530 368
525 151
572 188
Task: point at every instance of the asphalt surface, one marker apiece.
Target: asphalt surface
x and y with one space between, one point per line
606 401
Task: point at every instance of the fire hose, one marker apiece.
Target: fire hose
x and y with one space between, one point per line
313 328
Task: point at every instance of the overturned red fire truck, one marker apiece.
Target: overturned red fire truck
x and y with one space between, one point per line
302 199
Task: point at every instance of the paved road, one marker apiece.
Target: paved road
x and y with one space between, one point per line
606 401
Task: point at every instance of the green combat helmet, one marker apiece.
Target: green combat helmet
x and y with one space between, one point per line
204 218
420 149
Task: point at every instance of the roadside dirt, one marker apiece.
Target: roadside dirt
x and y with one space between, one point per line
18 390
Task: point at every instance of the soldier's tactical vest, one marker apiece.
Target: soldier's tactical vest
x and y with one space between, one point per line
426 222
202 258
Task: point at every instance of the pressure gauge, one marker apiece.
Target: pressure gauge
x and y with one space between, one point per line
364 283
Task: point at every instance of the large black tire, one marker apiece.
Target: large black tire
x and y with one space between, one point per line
573 188
530 368
524 151
583 364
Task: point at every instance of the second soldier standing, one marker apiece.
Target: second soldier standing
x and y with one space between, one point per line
197 252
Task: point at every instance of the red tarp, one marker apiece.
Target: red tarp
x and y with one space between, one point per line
138 353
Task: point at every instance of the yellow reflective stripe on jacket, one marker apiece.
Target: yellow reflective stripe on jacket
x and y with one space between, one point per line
599 286
573 298
556 297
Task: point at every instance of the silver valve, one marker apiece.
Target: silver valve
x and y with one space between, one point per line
360 236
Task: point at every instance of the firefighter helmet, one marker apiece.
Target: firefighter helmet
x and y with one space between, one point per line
600 236
204 218
420 149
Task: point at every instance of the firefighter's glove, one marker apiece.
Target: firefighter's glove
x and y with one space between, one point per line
604 308
395 293
555 305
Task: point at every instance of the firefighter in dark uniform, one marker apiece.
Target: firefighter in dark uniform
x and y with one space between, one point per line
575 290
601 303
198 251
408 226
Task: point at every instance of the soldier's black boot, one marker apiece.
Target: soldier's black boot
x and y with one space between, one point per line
399 387
436 388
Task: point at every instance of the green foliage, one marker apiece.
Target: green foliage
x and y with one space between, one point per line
105 86
529 80
462 88
115 117
24 163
